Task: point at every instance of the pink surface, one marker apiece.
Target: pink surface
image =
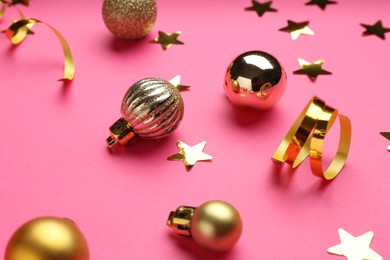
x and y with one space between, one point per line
54 160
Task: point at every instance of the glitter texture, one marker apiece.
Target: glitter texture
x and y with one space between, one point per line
153 107
129 19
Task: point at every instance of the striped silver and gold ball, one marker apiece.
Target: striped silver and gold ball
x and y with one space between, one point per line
152 108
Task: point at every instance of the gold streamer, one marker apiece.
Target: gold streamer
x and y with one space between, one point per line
306 138
18 31
2 9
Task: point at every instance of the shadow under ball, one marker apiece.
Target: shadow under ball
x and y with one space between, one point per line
255 79
129 19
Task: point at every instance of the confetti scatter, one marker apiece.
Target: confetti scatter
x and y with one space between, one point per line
386 135
321 3
376 29
261 8
166 40
355 248
189 155
297 29
312 70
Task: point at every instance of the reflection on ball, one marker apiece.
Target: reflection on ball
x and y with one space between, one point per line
129 19
255 79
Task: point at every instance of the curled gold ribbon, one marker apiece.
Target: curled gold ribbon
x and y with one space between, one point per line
18 31
306 138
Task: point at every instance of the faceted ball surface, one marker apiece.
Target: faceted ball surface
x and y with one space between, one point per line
255 79
216 226
129 19
153 107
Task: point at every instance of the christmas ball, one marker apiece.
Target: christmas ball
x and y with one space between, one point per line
255 79
47 238
129 19
152 108
216 225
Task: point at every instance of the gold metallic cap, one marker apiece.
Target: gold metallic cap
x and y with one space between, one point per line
180 220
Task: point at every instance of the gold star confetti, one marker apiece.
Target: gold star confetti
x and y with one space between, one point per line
176 82
166 40
321 3
261 8
355 248
312 70
376 29
189 155
296 29
386 135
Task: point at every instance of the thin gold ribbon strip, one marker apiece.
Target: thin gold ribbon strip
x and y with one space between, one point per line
18 31
2 8
306 138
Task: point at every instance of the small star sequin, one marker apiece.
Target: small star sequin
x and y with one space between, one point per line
189 155
355 248
261 8
321 3
312 70
297 29
386 135
166 40
176 82
376 29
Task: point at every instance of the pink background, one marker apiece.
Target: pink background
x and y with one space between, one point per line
54 159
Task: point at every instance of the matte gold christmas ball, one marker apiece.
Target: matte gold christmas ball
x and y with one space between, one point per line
216 225
129 19
255 79
47 238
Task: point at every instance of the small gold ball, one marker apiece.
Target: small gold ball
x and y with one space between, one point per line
47 238
129 19
216 225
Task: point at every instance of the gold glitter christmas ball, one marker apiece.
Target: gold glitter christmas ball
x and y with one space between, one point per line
129 19
47 238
